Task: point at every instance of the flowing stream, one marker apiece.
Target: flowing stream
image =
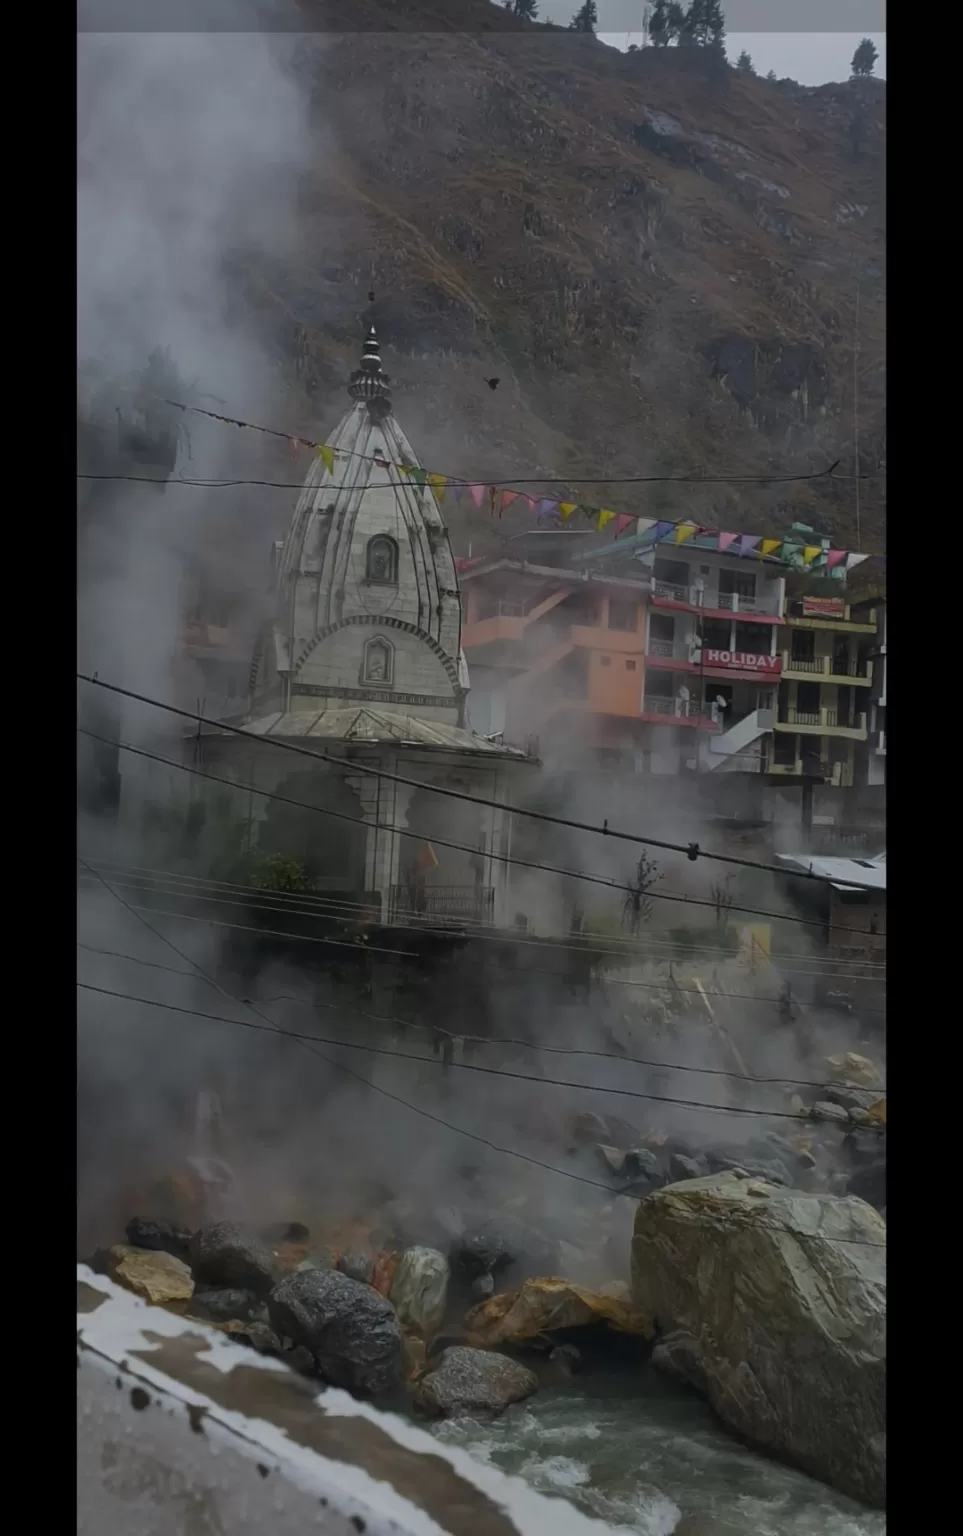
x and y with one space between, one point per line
645 1454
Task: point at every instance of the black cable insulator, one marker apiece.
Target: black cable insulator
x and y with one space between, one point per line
692 852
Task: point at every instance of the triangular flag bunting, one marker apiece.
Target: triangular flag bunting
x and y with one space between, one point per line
854 560
295 445
790 551
326 455
458 490
605 517
726 540
419 477
835 557
661 529
769 547
547 508
477 493
622 522
507 498
405 467
566 508
685 531
747 543
810 551
438 484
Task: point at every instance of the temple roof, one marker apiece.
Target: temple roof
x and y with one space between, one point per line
375 725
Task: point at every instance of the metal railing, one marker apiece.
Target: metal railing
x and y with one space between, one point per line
792 663
804 717
447 903
826 666
661 647
680 709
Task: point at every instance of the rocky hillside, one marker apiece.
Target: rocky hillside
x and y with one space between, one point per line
660 258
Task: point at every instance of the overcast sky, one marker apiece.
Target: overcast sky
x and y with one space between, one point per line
811 41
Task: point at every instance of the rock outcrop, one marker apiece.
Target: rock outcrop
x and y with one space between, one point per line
225 1256
542 1309
350 1330
776 1301
473 1382
158 1277
419 1290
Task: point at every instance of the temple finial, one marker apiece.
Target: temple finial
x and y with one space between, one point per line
368 382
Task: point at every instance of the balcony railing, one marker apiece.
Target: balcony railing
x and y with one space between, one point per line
838 774
444 903
762 603
661 647
680 709
827 666
828 719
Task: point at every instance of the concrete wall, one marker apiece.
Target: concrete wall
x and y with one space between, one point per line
182 1433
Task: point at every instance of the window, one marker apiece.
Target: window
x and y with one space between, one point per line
623 616
753 638
716 634
381 560
378 661
605 661
803 645
630 666
662 627
737 583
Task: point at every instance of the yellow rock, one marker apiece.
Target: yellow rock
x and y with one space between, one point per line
542 1307
857 1069
158 1277
878 1111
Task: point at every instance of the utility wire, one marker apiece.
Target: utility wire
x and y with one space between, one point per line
504 858
691 850
212 484
528 1045
386 1093
460 1066
345 910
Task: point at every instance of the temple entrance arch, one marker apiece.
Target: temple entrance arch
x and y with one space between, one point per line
329 842
439 881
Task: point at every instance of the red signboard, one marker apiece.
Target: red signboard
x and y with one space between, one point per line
824 608
743 661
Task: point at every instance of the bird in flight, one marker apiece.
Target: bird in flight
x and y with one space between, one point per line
493 383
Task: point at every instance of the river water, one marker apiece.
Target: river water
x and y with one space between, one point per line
642 1455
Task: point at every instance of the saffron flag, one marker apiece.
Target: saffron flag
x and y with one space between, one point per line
605 517
810 551
726 540
566 508
326 455
769 547
426 859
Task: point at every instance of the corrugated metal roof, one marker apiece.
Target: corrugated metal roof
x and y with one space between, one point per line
845 874
375 725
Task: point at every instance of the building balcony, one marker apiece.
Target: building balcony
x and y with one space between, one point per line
443 904
840 775
823 722
658 709
839 618
764 606
828 670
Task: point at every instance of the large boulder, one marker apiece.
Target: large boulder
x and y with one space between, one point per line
419 1290
160 1237
473 1383
778 1300
508 1249
227 1257
157 1277
351 1331
542 1309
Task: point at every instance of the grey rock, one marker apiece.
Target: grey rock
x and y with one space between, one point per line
677 1355
160 1237
613 1159
641 1163
824 1110
318 1258
357 1265
473 1382
483 1287
507 1247
224 1305
352 1331
226 1256
780 1303
419 1290
869 1184
682 1167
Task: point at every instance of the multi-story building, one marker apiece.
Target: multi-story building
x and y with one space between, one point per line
556 651
871 764
824 694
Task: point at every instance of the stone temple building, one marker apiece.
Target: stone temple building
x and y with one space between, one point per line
362 664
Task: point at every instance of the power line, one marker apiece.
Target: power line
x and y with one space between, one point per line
529 1045
505 858
691 850
212 484
343 909
396 1098
460 1066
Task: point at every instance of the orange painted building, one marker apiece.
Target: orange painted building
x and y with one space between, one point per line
553 652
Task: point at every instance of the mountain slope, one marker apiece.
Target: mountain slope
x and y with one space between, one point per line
659 258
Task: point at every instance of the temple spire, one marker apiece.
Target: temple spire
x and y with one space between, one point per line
368 382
